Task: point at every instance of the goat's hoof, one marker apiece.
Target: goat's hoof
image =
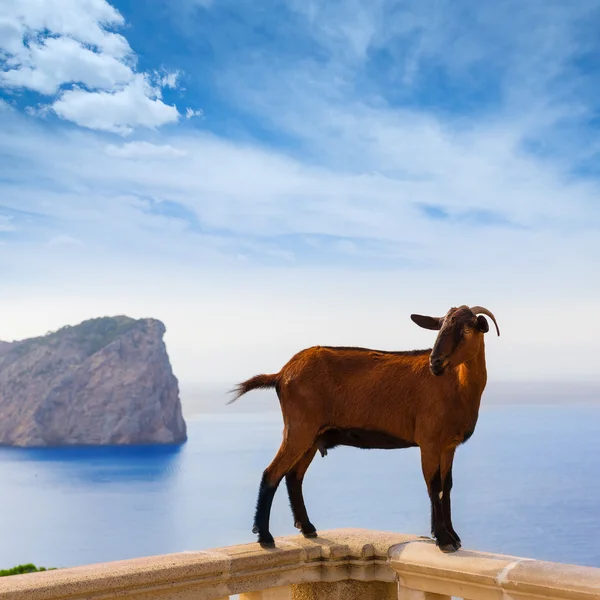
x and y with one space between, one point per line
308 530
447 541
454 535
455 539
448 547
266 541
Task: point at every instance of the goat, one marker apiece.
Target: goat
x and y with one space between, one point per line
346 396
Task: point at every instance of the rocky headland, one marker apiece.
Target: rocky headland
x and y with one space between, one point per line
106 381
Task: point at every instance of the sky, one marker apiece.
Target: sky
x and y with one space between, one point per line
268 175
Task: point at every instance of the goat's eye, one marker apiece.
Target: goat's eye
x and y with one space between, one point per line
466 331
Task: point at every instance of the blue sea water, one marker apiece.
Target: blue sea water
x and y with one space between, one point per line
526 484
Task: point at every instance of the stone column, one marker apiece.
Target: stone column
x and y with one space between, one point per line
345 590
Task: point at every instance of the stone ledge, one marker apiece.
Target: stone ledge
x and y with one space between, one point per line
334 556
344 555
466 574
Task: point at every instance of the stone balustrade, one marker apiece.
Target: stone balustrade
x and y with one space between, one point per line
348 564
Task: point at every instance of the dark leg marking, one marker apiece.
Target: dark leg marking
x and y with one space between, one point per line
443 537
446 508
266 493
301 520
294 480
291 451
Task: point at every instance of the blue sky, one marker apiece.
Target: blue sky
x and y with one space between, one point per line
267 175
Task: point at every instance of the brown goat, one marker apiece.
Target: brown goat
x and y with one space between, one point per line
341 396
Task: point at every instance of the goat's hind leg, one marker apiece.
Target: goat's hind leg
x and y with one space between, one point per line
292 449
294 480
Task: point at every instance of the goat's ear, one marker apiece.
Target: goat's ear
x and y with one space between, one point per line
482 324
427 322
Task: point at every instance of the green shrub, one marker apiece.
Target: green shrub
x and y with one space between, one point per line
21 569
93 334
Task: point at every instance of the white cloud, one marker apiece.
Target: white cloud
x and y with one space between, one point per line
120 111
53 62
168 79
347 29
251 192
191 113
11 33
434 57
41 110
141 150
67 48
87 21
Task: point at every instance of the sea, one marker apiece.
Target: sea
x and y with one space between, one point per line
526 484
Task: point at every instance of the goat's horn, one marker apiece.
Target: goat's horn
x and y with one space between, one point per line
484 311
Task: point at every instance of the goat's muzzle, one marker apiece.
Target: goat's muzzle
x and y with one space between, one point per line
437 366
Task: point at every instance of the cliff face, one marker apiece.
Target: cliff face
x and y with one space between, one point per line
105 381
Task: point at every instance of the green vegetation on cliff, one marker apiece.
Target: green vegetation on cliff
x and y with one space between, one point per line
93 334
21 569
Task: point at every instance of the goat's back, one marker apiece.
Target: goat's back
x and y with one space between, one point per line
348 387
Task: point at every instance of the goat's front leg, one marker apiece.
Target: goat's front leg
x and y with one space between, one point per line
446 475
431 465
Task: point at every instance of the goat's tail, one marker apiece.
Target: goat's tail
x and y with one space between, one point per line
254 383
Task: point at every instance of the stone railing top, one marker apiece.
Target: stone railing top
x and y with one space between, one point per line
220 572
347 554
466 574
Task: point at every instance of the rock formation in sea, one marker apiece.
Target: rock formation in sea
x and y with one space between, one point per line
106 381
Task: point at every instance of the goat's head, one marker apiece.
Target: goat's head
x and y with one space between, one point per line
460 335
